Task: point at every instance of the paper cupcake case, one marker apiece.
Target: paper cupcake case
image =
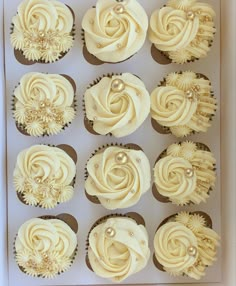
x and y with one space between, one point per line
153 143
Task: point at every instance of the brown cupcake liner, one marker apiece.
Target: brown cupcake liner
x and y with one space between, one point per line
128 146
22 127
24 61
163 199
66 218
70 152
133 215
209 224
164 130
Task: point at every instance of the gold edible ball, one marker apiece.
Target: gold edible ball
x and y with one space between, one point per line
192 251
189 173
110 232
41 34
38 180
119 9
190 15
121 158
189 95
117 85
42 103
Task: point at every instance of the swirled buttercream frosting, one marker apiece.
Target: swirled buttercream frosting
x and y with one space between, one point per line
114 31
183 30
186 246
43 103
42 30
43 176
117 105
185 174
45 248
184 103
118 177
118 248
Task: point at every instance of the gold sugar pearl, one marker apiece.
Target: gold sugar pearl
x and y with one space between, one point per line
121 158
38 180
118 45
189 173
190 15
117 85
42 104
110 232
131 233
119 9
192 251
41 34
189 94
96 166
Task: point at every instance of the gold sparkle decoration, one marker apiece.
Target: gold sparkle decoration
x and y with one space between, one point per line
121 158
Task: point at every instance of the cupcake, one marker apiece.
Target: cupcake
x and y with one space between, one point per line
113 31
44 175
183 30
42 31
183 104
117 176
184 173
44 104
45 247
186 245
117 247
116 104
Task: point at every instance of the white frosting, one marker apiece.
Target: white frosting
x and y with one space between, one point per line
185 245
45 247
171 178
113 37
183 30
118 185
43 175
44 103
118 113
42 29
184 104
171 243
122 255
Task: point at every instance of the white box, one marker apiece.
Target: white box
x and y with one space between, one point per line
227 153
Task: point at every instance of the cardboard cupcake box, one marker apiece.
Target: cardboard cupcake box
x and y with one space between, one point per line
219 66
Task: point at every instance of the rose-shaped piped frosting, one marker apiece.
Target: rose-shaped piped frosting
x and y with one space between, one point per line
42 30
185 174
45 247
183 30
118 248
118 177
114 31
44 176
185 245
184 103
117 105
44 103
